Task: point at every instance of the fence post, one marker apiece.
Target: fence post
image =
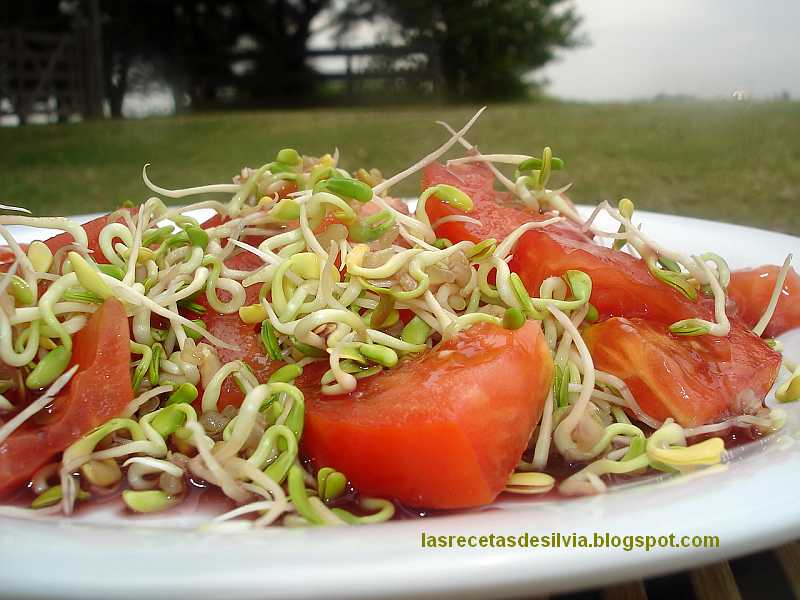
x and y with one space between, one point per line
93 60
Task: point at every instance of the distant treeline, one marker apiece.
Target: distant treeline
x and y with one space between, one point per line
255 52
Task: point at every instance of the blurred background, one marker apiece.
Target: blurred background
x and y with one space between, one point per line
686 106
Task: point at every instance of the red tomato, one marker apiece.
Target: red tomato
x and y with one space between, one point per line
695 380
443 430
621 284
751 290
496 211
92 229
99 391
7 257
245 338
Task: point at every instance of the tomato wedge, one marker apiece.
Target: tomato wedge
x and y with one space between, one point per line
99 391
621 284
443 430
498 213
245 338
695 380
751 290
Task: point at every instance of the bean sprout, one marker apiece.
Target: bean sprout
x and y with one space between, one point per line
344 278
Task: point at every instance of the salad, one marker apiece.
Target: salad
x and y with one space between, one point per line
322 355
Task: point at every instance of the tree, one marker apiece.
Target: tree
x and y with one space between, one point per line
240 51
185 45
277 32
209 52
39 15
485 47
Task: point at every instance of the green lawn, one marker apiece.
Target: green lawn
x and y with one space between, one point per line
735 162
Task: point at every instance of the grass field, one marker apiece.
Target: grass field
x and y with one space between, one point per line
735 162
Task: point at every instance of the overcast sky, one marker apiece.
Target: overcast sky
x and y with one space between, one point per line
699 47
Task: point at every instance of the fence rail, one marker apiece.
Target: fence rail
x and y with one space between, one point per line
430 71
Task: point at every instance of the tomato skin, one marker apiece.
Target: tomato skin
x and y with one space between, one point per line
622 285
100 390
498 213
751 290
695 380
443 430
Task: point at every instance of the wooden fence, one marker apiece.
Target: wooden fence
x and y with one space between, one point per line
48 73
386 70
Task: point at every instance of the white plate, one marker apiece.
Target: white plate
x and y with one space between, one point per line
751 503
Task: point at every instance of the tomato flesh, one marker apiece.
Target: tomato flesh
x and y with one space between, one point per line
443 430
751 290
245 338
695 380
99 391
498 213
